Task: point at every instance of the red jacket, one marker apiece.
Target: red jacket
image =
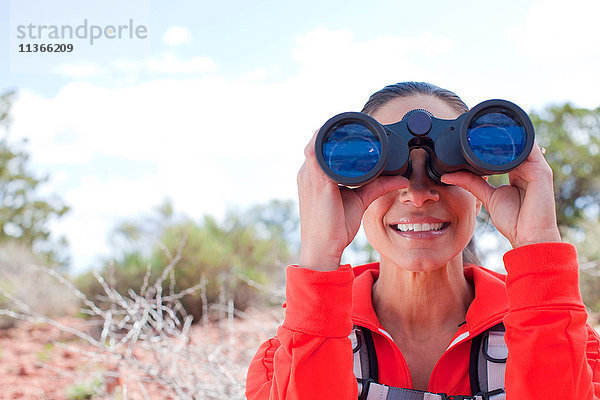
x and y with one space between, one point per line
553 353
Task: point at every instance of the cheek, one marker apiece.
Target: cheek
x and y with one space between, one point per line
370 221
470 209
373 217
465 205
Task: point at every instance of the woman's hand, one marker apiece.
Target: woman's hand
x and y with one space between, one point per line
330 215
524 211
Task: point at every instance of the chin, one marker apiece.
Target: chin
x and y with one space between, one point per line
416 264
421 260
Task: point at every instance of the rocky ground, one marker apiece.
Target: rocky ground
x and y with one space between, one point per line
38 361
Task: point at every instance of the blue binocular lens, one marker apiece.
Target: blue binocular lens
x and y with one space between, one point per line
351 149
493 138
496 138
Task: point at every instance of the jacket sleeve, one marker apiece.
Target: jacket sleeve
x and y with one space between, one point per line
552 352
311 356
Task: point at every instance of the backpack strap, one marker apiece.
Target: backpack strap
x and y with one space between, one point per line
486 369
365 359
488 363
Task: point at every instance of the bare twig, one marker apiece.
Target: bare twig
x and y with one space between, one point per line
148 334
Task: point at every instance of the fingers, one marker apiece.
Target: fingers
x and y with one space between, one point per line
366 194
310 153
380 186
536 153
534 168
311 172
476 185
536 158
309 150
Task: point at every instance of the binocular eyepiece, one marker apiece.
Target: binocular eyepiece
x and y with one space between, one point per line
494 137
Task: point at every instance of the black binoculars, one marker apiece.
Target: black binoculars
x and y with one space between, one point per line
494 137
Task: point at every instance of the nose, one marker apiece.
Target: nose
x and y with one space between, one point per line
421 187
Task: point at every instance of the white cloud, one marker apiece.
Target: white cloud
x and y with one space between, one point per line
341 48
254 75
170 64
79 70
176 35
559 52
164 64
337 58
555 29
217 141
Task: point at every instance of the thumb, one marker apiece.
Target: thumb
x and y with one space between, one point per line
380 186
477 185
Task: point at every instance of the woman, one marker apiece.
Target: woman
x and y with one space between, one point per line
422 304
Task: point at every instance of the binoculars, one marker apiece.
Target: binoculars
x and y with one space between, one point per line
494 137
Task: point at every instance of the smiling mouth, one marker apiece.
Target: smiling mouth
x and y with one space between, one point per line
438 226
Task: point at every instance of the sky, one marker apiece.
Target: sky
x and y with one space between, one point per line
212 104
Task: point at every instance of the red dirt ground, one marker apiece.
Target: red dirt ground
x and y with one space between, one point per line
33 366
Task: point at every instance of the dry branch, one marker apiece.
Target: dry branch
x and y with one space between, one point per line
146 337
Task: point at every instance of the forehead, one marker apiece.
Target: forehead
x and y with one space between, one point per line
394 110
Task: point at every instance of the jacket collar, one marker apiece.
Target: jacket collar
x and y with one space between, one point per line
487 309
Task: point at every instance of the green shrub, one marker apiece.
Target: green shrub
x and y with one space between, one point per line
254 243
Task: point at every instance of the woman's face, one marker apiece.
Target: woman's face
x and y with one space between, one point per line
424 226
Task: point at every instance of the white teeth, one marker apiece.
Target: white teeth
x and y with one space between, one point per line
420 227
